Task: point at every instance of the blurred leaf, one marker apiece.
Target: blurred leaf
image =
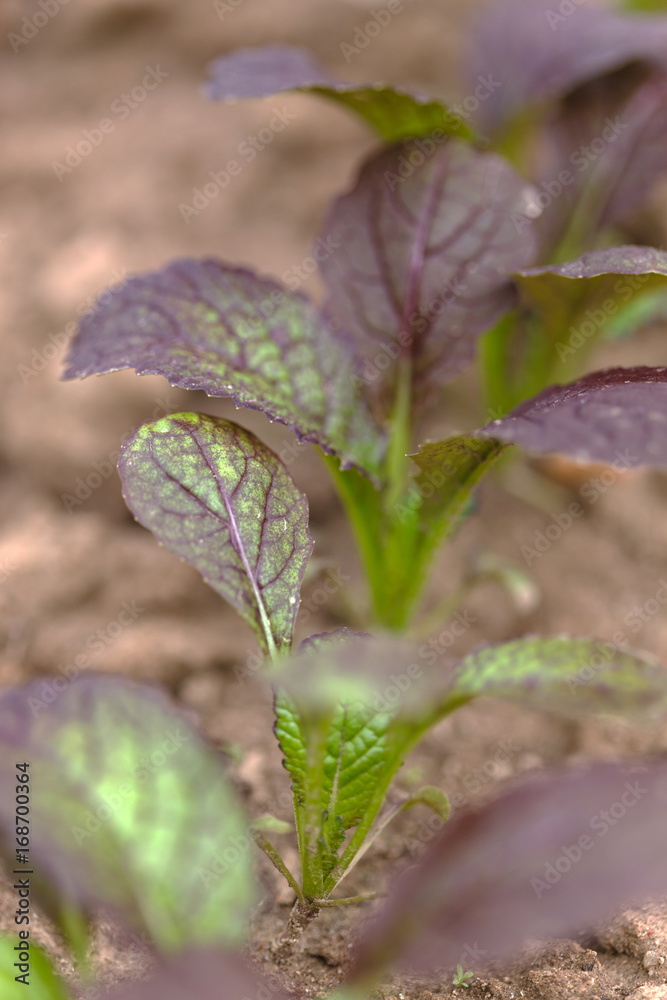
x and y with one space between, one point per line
396 114
570 674
130 811
211 492
638 157
324 640
40 982
552 856
199 975
570 305
646 308
539 53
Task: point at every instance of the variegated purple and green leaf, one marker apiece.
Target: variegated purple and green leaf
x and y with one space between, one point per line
116 776
211 492
204 325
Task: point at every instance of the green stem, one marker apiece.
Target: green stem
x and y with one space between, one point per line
271 853
361 501
401 437
494 350
351 900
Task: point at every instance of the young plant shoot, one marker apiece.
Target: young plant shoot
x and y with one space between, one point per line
443 251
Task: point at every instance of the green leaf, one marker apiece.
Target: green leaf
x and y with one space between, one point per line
335 763
292 743
43 983
214 494
336 750
395 113
449 471
356 755
429 796
130 811
431 508
569 674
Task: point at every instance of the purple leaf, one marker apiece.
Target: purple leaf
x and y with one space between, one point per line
394 112
537 53
211 492
197 974
635 260
116 775
616 415
638 157
607 145
264 71
428 243
225 330
552 856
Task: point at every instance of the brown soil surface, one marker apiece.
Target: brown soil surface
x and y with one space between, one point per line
67 567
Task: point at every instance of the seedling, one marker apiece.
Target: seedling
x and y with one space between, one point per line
433 249
440 248
461 978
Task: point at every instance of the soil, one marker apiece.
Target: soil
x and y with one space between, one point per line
70 554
